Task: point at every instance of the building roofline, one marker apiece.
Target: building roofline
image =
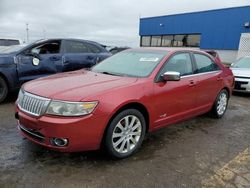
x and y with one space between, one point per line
196 12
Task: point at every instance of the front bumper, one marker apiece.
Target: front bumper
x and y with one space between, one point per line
242 85
83 133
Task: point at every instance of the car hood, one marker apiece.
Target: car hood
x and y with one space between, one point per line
75 86
243 72
6 59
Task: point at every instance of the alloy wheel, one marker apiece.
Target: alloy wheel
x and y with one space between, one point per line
222 103
126 134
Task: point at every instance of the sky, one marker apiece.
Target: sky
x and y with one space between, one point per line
110 22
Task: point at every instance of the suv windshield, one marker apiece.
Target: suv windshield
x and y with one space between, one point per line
131 63
243 63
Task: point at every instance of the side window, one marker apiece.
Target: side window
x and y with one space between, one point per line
93 48
204 64
47 48
76 47
179 63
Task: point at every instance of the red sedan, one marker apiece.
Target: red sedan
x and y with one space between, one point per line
122 98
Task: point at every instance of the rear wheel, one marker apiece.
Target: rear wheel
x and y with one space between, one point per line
3 89
125 133
220 104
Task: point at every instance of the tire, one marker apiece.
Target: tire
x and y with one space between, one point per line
3 89
220 104
125 134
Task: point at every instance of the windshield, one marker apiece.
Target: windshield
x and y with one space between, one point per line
243 63
131 63
10 49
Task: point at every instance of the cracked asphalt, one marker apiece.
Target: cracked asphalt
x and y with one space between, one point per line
200 152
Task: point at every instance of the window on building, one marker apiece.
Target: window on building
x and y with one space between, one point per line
167 40
156 41
186 40
180 40
193 40
145 40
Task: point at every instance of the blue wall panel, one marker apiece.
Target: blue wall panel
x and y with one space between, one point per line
219 29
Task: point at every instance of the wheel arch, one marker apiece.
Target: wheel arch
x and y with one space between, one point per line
132 105
5 79
228 91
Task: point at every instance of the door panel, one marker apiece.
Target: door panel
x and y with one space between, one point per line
77 55
209 85
28 71
50 61
210 80
176 100
75 61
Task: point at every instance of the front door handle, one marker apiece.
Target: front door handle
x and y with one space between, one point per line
55 58
191 83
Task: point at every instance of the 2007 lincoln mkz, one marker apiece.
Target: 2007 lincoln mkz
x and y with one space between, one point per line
121 99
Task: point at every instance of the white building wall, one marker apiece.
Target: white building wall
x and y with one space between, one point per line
244 47
227 56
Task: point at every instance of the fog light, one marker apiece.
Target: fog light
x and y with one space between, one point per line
59 142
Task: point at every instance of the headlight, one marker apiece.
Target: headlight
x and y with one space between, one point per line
63 108
20 96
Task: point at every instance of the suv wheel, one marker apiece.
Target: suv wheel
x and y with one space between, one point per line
3 89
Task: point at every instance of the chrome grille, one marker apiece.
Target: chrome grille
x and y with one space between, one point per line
32 104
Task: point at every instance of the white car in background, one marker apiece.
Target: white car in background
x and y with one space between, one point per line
241 71
9 42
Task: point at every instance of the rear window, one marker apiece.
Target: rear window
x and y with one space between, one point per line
93 48
205 64
76 47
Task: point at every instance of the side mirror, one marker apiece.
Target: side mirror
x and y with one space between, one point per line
35 61
171 76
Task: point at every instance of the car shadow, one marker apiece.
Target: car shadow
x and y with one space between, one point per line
11 98
241 94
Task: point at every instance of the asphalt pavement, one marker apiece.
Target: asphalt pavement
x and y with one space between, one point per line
200 152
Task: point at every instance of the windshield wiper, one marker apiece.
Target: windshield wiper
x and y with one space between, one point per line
111 73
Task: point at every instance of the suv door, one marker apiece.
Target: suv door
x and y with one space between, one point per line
175 100
77 55
98 51
210 80
40 60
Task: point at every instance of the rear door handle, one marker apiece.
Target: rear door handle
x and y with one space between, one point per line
90 57
219 78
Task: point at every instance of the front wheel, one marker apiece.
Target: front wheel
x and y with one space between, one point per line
220 104
125 133
3 89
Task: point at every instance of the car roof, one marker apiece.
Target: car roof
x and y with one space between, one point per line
72 39
170 49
